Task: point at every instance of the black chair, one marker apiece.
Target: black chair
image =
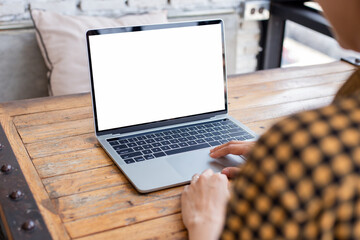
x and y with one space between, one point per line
273 30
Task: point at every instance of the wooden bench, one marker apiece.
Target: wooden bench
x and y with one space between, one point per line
81 194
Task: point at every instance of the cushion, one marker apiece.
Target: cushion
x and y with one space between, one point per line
62 42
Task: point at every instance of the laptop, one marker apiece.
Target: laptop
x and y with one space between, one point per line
159 98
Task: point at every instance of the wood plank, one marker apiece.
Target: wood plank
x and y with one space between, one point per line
45 104
47 132
64 145
260 127
47 210
170 227
239 86
249 115
293 72
50 117
84 181
71 162
123 217
265 98
107 200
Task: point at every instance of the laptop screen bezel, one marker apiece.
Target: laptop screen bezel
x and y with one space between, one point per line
162 123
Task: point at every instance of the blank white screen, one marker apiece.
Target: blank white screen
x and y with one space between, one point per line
146 76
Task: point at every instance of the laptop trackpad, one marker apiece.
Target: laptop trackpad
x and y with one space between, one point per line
187 164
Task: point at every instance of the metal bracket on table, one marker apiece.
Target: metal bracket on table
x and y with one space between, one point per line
20 216
255 10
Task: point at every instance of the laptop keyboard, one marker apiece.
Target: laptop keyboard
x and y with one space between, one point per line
177 140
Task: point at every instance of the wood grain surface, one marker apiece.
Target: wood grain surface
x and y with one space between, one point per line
83 195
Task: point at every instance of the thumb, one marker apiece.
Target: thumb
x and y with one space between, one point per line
231 172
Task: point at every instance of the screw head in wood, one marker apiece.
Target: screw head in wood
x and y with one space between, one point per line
16 195
29 225
6 168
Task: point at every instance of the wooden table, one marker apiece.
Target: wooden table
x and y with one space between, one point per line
79 191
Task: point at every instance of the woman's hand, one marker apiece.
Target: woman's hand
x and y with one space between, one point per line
232 147
203 205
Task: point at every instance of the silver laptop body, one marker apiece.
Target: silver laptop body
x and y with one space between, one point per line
160 100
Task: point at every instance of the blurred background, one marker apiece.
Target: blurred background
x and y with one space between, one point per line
254 41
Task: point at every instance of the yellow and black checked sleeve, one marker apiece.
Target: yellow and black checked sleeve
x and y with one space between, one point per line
301 180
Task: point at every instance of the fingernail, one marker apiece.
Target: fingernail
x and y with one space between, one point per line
225 171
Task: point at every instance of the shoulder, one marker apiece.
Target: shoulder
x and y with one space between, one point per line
326 129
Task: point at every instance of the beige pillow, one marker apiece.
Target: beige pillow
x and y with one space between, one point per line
62 42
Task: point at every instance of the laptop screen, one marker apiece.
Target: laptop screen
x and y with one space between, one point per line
149 74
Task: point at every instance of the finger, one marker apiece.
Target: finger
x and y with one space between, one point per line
231 172
223 145
208 172
231 148
194 178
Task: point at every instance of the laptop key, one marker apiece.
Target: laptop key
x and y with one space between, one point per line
139 159
183 144
182 139
148 157
141 138
200 141
130 155
138 148
165 148
214 143
174 146
159 154
113 143
234 134
191 143
150 140
165 143
216 138
156 145
174 141
123 141
159 139
168 137
156 150
147 146
132 144
223 141
191 138
128 161
126 150
235 130
147 152
209 139
120 147
187 149
247 136
142 142
176 136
